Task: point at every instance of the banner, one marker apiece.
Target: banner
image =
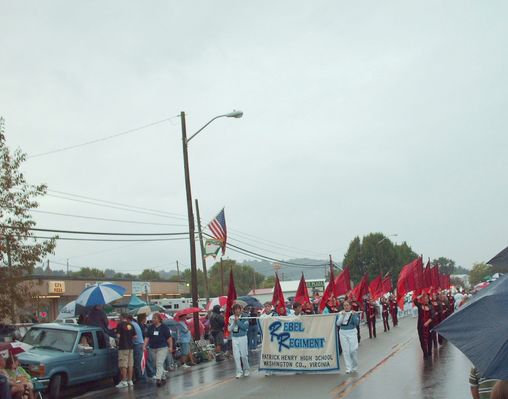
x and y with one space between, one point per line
306 343
212 247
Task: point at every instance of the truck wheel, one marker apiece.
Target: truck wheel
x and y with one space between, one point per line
55 385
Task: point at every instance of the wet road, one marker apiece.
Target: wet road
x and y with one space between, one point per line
391 367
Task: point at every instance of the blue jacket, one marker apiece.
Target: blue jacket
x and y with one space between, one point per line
346 322
243 326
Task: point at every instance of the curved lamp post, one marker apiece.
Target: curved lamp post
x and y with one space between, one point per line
190 211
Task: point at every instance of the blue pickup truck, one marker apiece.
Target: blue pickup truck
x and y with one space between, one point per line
68 354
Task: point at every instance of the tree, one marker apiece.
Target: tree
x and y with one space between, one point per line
478 272
244 276
149 274
88 272
19 250
268 282
457 282
376 254
446 265
109 273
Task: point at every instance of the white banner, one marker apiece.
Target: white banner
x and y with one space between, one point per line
299 343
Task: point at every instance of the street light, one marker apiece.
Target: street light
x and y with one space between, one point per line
190 212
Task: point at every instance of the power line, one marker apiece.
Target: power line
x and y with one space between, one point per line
120 204
98 233
71 147
108 240
106 219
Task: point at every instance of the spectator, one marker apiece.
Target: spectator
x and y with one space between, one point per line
138 350
126 335
481 388
19 378
217 331
158 339
500 390
297 309
150 369
184 339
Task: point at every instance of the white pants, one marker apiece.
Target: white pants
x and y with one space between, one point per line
159 355
241 350
349 343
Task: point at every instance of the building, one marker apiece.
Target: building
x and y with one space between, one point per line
53 293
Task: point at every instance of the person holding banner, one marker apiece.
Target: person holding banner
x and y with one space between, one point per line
348 321
238 328
385 307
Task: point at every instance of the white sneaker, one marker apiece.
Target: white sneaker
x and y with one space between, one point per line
186 366
239 375
122 384
246 373
130 383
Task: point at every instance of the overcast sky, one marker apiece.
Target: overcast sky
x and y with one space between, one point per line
381 116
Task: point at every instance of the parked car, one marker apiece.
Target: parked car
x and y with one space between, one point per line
69 320
68 354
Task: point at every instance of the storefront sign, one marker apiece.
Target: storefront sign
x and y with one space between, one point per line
56 287
141 288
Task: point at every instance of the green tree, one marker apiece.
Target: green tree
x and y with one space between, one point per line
19 250
374 254
149 274
88 272
268 282
478 272
445 265
244 275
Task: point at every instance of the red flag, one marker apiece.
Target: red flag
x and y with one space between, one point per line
435 278
410 279
387 284
231 299
302 294
361 289
375 287
342 283
330 289
427 276
278 301
444 281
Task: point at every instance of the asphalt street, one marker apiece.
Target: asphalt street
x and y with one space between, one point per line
391 367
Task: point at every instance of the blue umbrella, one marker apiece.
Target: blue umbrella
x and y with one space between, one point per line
480 330
100 294
250 301
135 303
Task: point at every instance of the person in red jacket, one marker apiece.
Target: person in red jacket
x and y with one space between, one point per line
424 325
436 318
385 307
370 315
393 310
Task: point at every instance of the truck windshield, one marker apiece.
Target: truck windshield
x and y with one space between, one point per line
47 338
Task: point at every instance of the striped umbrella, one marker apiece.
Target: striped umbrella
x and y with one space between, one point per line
100 294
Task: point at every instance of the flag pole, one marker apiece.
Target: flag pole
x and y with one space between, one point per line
203 259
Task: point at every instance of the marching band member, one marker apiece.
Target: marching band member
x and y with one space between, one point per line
384 313
393 310
425 316
370 315
238 328
347 322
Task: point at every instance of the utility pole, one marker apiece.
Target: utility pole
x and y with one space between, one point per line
178 277
67 267
190 215
221 278
203 259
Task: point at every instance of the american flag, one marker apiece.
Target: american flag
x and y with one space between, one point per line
218 228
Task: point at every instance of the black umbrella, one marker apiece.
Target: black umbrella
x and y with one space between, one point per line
251 301
500 260
480 330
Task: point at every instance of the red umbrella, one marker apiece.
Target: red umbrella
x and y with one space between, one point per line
187 311
220 300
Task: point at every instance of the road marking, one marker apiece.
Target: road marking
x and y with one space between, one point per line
204 388
347 386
